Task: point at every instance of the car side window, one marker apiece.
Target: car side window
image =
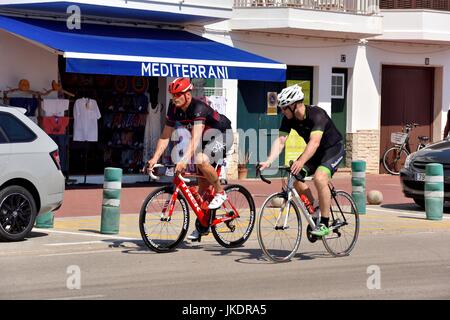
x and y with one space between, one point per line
2 136
15 130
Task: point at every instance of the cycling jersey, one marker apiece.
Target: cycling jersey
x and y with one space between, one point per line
197 112
215 144
316 120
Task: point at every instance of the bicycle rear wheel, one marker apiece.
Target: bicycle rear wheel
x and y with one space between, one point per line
235 232
344 223
279 239
394 160
160 233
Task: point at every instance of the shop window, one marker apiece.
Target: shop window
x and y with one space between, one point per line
129 126
337 86
15 130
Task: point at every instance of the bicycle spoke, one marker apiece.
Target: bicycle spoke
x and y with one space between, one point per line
162 235
343 238
235 232
279 240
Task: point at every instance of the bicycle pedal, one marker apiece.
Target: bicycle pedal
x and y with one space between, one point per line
311 238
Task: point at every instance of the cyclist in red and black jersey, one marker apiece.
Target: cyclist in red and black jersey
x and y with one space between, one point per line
323 153
210 131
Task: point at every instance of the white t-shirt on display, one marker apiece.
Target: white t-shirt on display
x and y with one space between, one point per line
218 103
85 115
55 107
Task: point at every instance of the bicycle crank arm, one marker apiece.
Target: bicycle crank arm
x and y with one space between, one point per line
281 228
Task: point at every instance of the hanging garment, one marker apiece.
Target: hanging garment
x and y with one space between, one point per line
152 130
30 104
54 107
218 103
85 115
61 141
55 125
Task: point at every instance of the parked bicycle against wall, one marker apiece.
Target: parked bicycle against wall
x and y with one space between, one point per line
279 225
394 158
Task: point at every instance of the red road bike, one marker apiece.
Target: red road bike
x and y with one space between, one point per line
164 216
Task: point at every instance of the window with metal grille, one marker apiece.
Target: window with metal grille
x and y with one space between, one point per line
337 86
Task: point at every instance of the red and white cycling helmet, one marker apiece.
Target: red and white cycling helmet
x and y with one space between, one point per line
180 85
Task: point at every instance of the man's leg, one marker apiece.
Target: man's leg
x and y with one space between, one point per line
210 174
302 188
321 180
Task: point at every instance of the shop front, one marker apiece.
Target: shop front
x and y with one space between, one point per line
111 97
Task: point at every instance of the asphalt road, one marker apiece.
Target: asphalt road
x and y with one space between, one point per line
399 255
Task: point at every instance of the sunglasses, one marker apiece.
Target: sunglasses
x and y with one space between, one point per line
177 95
285 107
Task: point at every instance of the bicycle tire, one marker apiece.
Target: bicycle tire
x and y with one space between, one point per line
337 242
153 235
236 232
271 239
391 162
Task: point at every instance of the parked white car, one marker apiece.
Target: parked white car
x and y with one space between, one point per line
31 181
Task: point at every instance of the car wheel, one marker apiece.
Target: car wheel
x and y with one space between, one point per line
420 202
17 213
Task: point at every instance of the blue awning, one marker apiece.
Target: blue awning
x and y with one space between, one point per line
138 51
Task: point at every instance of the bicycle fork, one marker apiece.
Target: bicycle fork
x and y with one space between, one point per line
166 216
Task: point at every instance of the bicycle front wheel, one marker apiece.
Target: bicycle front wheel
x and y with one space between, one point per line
344 223
394 159
279 228
161 232
235 232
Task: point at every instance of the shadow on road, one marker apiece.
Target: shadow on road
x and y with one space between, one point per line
34 234
256 256
31 235
139 247
241 254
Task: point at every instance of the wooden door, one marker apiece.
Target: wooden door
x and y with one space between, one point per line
406 97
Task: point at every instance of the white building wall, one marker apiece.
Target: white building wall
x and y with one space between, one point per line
21 59
363 104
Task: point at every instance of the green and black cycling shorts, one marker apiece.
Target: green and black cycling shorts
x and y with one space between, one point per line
327 160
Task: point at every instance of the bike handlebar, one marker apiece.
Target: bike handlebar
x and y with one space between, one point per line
299 176
158 165
258 173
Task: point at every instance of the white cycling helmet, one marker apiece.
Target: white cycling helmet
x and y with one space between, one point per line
289 95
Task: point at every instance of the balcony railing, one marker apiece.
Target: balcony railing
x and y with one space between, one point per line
416 4
364 7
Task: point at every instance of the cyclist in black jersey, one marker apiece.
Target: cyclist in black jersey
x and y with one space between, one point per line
323 153
210 131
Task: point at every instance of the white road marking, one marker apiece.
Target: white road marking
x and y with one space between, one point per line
80 297
85 234
73 243
78 253
399 211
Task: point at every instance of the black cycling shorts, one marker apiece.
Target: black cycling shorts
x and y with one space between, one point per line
329 158
216 144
